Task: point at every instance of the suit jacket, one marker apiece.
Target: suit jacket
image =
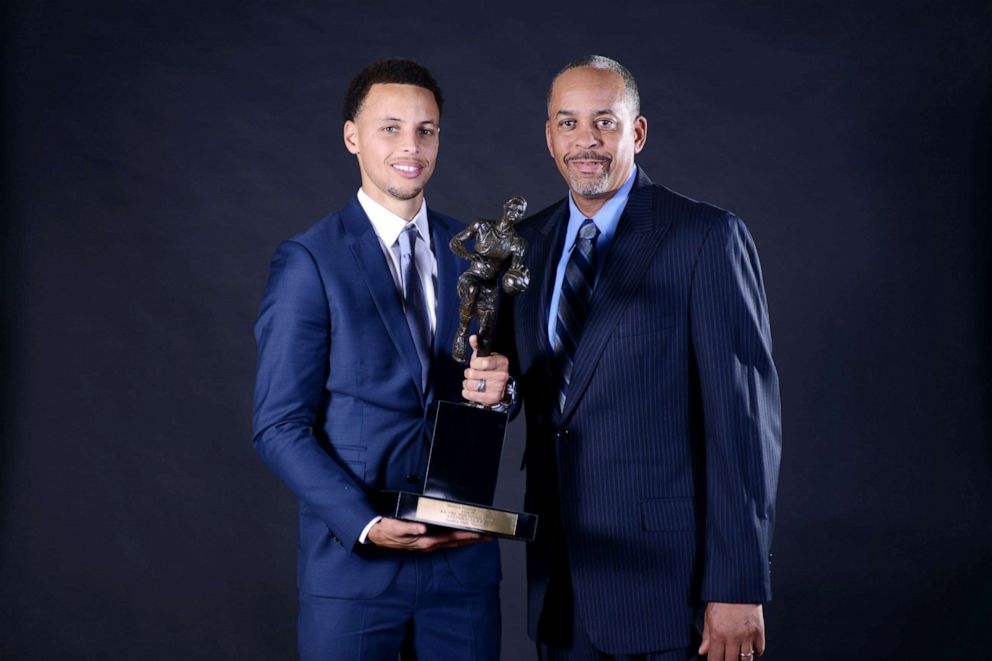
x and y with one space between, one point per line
657 481
339 411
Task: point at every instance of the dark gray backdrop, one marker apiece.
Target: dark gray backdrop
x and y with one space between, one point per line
156 153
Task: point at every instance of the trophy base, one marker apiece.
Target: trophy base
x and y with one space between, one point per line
461 516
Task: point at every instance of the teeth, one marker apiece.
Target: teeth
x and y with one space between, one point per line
406 168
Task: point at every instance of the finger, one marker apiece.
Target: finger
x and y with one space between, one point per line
473 341
497 376
452 539
485 398
704 647
736 650
399 528
473 385
731 651
759 641
492 363
489 390
716 650
492 390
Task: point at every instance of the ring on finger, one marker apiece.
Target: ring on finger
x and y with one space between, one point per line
480 385
746 655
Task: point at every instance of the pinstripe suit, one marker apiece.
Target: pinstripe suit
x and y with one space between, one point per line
656 483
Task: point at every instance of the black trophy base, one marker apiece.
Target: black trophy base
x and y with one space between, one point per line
461 516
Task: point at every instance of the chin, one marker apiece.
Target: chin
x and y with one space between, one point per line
587 188
405 194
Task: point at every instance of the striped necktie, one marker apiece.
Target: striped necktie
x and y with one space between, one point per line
414 301
573 303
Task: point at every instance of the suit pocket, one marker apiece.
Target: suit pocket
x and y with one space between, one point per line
668 514
352 456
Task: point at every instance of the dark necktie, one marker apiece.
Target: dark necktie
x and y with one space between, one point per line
414 301
573 303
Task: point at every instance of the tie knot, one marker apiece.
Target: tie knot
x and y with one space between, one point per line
588 230
407 239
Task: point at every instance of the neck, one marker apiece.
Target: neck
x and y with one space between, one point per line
589 206
405 209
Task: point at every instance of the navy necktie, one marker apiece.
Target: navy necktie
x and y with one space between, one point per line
573 303
414 301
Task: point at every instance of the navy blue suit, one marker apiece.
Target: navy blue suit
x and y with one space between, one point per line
339 413
656 483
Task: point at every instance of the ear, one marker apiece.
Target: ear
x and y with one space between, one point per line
351 136
640 133
547 137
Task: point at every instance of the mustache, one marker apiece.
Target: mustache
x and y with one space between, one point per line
589 156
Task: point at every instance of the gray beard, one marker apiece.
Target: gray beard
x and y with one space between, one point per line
587 188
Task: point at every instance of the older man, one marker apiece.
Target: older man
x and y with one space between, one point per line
653 434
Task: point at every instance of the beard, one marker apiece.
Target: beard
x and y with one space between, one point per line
584 186
407 194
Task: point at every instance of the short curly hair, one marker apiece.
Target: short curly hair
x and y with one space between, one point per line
392 70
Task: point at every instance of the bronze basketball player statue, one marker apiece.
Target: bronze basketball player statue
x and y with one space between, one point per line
478 286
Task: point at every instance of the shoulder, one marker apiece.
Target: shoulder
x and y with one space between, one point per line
321 234
533 223
691 215
302 255
443 223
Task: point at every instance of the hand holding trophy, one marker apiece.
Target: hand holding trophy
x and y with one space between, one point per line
468 438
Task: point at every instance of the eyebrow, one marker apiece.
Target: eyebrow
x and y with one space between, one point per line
398 119
605 111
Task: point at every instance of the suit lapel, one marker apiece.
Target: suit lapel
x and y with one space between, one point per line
553 237
447 295
639 233
364 244
542 252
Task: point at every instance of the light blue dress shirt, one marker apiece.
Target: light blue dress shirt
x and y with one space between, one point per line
606 220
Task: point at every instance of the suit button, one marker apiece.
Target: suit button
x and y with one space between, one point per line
561 434
412 479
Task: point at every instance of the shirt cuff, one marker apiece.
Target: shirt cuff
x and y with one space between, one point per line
363 538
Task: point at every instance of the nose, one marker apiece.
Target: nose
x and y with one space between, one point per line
410 143
587 136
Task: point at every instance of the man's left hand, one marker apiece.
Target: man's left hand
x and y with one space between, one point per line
490 373
733 632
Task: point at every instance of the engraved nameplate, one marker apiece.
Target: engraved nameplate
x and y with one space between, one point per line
466 516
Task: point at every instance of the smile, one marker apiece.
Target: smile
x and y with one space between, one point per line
407 169
588 166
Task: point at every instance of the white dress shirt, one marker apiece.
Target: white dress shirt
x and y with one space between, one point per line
387 226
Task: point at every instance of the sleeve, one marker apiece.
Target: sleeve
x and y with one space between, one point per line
740 401
293 335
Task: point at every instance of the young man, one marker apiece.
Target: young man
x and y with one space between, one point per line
653 433
354 338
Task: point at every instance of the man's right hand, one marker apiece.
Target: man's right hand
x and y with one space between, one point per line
397 534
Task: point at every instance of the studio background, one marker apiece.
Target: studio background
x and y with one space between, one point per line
156 153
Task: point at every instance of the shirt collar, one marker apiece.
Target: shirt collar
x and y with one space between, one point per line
388 225
606 218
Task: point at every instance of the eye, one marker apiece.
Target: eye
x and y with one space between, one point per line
566 124
428 132
605 123
391 129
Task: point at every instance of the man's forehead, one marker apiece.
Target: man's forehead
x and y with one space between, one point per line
400 102
600 87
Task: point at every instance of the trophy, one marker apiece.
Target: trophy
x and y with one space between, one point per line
468 438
